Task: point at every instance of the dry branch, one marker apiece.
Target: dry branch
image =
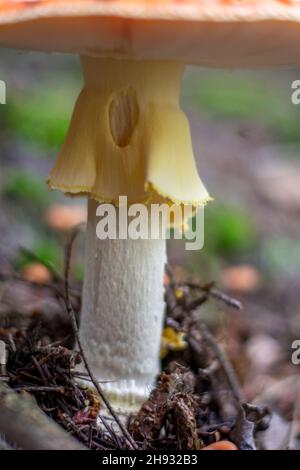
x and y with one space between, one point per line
24 424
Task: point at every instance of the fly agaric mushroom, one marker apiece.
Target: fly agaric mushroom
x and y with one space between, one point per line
129 137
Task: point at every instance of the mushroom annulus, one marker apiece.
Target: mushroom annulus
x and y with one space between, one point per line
129 137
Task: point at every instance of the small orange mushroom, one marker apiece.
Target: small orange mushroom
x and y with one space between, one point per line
221 445
243 278
64 217
37 273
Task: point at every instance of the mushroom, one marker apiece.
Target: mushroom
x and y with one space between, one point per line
64 218
221 445
129 137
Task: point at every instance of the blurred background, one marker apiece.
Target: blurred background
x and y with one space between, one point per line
246 136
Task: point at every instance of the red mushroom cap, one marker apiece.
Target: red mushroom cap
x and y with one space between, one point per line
218 33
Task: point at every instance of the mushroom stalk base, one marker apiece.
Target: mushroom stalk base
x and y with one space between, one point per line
122 313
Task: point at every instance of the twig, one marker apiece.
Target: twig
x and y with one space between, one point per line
223 360
35 389
85 376
40 370
209 290
28 427
215 293
219 295
70 423
196 303
71 313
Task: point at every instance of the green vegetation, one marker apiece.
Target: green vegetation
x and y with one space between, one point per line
234 96
228 230
41 117
26 187
47 252
78 272
281 255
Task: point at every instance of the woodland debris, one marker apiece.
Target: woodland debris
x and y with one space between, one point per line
24 424
187 410
243 432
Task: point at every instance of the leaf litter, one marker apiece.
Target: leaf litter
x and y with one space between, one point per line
196 403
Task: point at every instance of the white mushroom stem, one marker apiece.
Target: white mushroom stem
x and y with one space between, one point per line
128 138
122 312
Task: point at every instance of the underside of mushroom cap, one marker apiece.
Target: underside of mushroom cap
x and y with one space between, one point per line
216 33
